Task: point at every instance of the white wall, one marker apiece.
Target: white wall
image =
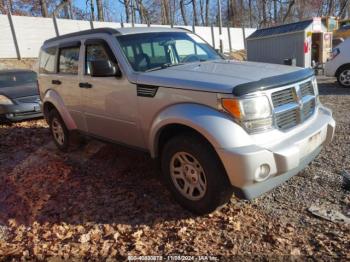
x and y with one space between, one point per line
31 32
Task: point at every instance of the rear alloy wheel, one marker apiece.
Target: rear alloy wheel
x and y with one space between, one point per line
58 130
344 77
194 174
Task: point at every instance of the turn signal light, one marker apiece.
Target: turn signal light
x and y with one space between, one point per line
232 106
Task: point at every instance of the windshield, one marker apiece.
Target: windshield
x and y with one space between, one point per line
16 78
153 51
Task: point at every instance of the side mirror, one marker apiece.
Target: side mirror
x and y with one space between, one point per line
104 68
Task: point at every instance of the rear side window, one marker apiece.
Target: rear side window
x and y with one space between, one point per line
47 60
68 60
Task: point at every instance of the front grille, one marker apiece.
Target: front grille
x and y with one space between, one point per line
293 105
307 89
308 109
287 119
28 99
282 97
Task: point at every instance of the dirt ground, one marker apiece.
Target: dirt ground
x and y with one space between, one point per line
103 201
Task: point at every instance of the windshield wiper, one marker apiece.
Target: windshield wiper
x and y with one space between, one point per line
166 65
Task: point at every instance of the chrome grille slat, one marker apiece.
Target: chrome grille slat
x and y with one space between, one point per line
307 89
293 105
282 97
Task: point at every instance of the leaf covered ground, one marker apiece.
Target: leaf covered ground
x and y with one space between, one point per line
103 201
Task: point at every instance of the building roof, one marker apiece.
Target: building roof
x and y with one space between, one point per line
119 31
281 29
15 71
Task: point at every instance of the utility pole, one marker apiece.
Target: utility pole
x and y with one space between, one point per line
220 27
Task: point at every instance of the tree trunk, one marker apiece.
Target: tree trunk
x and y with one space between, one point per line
264 21
289 9
207 3
183 11
250 13
92 10
194 7
342 9
3 7
165 12
275 11
127 10
201 8
10 5
43 7
330 7
68 10
100 16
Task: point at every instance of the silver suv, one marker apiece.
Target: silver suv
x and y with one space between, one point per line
216 126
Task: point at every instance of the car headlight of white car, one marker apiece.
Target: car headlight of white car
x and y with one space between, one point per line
5 100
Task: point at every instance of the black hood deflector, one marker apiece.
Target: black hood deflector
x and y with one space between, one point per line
273 82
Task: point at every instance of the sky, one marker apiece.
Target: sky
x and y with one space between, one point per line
117 7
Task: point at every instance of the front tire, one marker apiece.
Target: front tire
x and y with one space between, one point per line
194 174
58 130
344 76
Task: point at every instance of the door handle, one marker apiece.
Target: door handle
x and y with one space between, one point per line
56 82
85 85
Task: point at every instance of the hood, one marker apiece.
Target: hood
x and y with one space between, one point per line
22 90
220 76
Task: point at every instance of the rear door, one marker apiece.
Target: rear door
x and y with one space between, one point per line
66 81
109 102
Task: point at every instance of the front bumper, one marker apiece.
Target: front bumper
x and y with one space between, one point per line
329 69
18 112
285 158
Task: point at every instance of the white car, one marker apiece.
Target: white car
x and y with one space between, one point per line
339 65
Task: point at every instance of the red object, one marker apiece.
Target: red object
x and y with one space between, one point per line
306 47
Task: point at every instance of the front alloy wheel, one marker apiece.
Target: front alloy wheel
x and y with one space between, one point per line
188 176
194 173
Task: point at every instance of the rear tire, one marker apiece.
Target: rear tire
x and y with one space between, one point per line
344 76
194 174
58 130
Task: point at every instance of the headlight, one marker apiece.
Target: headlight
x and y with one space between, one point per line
5 100
253 113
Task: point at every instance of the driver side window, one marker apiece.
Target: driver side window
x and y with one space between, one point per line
96 52
186 48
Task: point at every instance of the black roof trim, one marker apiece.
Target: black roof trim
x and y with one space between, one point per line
273 82
281 29
104 30
69 44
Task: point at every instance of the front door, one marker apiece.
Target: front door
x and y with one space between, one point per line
110 107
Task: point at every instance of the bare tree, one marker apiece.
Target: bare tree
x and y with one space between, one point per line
289 9
100 15
183 11
275 18
342 9
43 6
92 9
165 12
207 3
194 12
